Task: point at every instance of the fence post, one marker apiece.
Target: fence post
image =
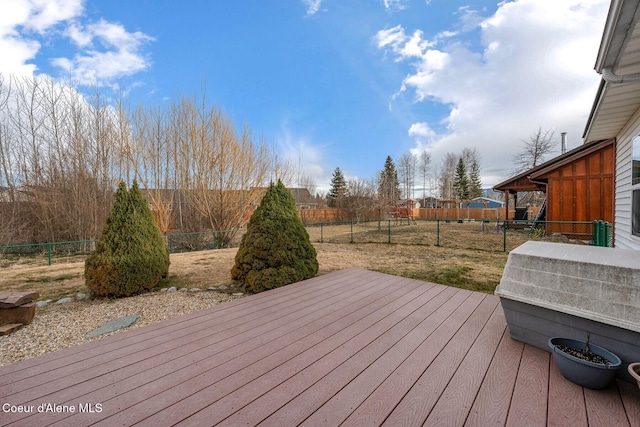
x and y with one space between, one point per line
170 244
213 234
504 236
321 232
351 223
49 252
600 236
437 232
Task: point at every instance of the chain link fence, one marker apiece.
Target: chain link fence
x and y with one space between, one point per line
498 236
493 235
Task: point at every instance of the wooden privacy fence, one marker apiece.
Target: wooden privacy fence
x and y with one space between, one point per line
460 213
311 216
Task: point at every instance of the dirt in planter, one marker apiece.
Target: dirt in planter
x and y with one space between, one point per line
584 355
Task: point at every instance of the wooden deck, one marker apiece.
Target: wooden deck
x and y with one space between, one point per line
352 347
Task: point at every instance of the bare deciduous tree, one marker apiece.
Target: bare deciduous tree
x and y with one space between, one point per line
425 162
152 153
447 174
217 167
407 168
361 196
534 150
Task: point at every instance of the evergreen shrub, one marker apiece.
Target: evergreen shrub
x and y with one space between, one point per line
276 250
131 256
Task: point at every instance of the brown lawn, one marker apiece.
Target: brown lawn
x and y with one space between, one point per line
471 269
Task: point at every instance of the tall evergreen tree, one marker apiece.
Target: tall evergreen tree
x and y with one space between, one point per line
475 183
276 250
131 256
388 185
461 181
338 190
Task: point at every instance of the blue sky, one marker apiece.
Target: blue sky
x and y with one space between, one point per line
333 83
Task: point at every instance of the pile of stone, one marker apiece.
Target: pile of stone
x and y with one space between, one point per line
16 310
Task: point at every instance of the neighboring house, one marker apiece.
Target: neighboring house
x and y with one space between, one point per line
304 199
302 196
616 114
429 202
482 202
579 186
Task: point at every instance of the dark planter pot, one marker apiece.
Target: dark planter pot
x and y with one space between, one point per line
583 372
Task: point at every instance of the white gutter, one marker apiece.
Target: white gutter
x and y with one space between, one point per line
611 77
608 33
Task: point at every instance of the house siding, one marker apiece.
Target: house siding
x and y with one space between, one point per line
623 237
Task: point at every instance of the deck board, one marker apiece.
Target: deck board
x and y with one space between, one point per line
352 347
566 402
530 396
493 400
416 405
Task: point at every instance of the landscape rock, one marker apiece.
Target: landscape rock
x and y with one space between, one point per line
18 315
238 294
64 300
42 304
9 329
172 289
114 325
81 296
16 299
195 290
223 287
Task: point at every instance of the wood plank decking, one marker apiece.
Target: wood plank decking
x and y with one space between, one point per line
352 347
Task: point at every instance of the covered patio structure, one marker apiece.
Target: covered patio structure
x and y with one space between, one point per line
578 187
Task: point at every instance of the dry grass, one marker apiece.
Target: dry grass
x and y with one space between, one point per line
471 269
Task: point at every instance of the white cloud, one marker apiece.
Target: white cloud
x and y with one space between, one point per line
22 22
395 4
533 68
313 6
298 150
422 131
106 51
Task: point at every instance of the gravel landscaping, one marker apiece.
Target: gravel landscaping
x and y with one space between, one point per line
58 326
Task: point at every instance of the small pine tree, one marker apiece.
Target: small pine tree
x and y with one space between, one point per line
338 190
131 256
461 182
388 185
276 250
475 183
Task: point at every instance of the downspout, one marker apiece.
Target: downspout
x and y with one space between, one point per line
610 77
